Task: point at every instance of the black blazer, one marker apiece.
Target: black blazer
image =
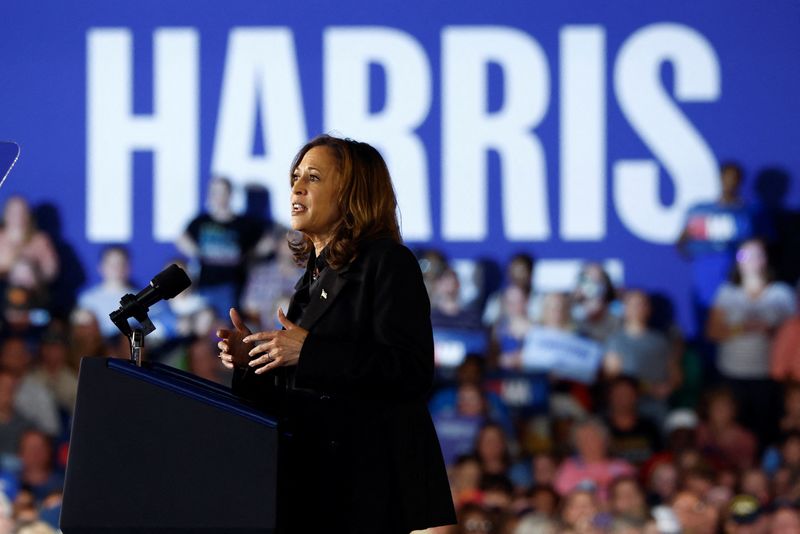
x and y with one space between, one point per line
363 455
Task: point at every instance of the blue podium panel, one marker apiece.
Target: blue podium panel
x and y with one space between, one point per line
157 450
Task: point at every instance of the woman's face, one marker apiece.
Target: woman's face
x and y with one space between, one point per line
491 444
751 258
315 210
17 214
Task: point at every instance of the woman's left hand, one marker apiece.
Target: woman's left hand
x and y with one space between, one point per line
277 347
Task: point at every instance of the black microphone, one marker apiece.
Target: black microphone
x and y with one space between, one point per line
163 286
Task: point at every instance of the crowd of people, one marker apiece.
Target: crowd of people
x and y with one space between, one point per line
580 411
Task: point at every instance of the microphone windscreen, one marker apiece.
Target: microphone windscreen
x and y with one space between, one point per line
170 281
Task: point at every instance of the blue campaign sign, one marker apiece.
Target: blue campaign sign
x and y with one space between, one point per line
569 129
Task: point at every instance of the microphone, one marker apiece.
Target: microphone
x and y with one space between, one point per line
164 286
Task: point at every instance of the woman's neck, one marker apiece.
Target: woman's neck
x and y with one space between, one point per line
753 284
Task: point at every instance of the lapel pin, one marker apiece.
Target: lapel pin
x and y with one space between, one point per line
324 294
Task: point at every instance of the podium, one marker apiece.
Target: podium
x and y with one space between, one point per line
157 450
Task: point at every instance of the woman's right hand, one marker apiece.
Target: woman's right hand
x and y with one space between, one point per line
233 351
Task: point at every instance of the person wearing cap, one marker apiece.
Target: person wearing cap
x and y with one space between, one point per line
746 516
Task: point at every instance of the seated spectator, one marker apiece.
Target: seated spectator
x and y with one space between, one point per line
592 300
591 463
627 500
492 450
643 352
471 371
755 482
54 371
746 516
785 356
720 437
19 238
203 361
633 437
193 314
497 492
465 477
85 336
544 501
447 310
33 400
268 284
785 519
511 327
790 422
662 483
103 298
458 429
579 509
519 274
37 473
474 519
25 300
12 424
694 515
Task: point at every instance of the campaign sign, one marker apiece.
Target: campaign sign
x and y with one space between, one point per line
563 354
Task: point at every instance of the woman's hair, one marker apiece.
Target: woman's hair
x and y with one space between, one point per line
365 197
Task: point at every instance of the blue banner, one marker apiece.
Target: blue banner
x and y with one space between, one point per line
569 129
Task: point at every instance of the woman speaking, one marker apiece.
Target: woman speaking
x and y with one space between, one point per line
348 374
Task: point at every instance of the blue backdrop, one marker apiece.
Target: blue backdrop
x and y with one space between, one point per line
569 129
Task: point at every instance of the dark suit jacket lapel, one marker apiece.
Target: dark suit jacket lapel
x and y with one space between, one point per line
322 294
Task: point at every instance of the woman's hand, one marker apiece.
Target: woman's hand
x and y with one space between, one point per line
280 347
233 350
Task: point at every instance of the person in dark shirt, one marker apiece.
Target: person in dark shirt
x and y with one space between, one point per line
633 437
220 241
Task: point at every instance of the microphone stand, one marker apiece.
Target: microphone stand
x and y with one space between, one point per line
130 307
137 346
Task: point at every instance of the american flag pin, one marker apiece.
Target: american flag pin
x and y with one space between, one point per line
324 294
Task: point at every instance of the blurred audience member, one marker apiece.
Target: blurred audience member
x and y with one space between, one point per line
785 358
633 437
85 337
492 450
785 520
579 509
694 515
19 238
33 400
268 284
790 422
592 300
591 462
202 359
643 352
710 236
103 298
745 315
37 473
511 327
519 274
447 310
627 500
12 424
720 437
53 369
221 241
